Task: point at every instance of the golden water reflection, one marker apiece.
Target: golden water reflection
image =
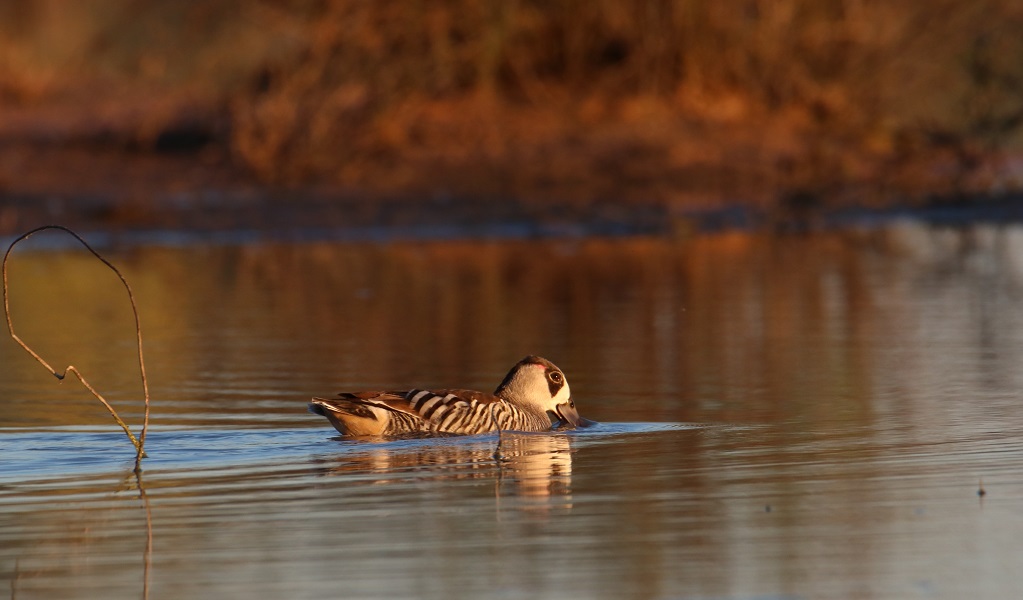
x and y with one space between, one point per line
851 389
726 328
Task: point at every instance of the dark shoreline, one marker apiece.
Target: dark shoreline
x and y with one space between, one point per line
137 196
234 222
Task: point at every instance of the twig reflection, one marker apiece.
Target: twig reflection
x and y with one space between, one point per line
61 541
147 555
14 579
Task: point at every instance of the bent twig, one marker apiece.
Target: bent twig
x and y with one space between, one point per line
139 442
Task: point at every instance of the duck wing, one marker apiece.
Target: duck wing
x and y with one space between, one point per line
391 413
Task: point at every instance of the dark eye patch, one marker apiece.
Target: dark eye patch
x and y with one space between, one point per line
555 381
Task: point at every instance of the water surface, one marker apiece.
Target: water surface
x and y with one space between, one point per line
781 417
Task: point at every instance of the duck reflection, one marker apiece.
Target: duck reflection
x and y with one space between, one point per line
532 469
539 467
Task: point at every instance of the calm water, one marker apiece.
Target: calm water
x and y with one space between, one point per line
781 417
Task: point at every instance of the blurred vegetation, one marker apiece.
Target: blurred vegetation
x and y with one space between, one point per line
680 102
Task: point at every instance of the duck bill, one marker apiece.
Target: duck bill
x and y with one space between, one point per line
568 415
